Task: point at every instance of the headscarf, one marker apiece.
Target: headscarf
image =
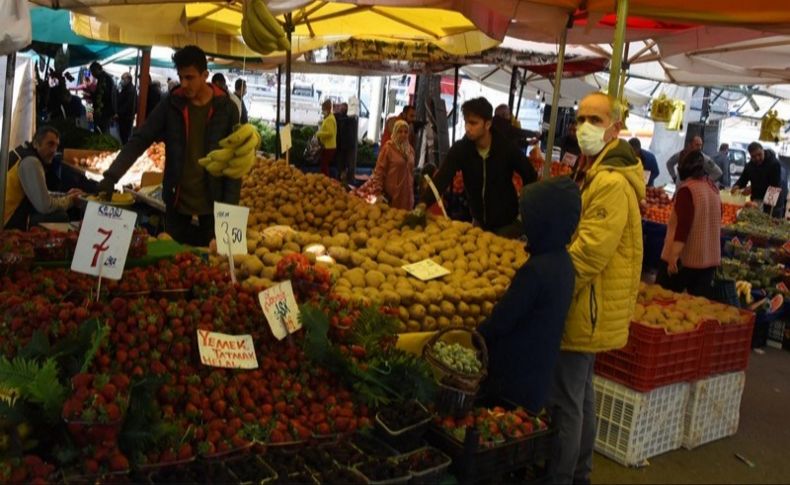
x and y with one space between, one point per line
404 147
692 165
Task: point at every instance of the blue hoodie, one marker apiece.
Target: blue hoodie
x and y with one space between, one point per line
524 330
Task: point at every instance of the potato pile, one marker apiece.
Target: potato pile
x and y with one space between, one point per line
369 247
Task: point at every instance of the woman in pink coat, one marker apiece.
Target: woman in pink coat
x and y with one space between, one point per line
393 176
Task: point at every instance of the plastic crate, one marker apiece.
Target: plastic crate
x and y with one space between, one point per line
653 358
633 426
726 348
713 409
776 333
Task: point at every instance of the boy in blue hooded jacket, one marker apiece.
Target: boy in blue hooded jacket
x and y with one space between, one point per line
525 328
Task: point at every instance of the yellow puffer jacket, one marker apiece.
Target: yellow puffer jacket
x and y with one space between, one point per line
606 252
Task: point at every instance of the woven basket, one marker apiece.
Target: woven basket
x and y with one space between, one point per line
451 377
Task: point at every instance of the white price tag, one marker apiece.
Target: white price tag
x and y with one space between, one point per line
280 308
228 351
772 196
570 159
230 228
286 141
427 269
104 241
646 174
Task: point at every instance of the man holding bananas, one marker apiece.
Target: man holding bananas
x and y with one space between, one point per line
206 152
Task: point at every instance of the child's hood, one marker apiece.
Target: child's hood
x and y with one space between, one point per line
550 211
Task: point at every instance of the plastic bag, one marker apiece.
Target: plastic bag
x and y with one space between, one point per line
17 31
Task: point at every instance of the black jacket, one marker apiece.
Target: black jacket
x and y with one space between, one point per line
127 100
524 331
168 123
767 174
493 201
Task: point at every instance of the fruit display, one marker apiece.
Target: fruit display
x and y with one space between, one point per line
260 30
680 312
236 153
369 248
757 224
659 205
153 160
494 426
458 357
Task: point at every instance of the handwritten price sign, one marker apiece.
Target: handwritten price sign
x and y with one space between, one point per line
279 307
230 228
104 241
228 351
772 196
427 269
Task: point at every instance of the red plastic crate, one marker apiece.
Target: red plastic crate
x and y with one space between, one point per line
726 348
653 358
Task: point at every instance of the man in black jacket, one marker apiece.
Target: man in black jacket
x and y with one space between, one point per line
127 100
191 121
762 171
487 160
104 99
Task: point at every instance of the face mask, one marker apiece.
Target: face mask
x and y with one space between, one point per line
590 138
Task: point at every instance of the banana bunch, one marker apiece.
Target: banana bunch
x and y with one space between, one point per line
236 155
744 290
260 30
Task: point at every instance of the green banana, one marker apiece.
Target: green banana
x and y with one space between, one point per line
236 172
266 19
242 160
283 44
221 154
250 145
215 168
248 37
239 136
258 29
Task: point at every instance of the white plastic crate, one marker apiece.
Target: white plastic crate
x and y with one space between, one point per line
714 409
634 426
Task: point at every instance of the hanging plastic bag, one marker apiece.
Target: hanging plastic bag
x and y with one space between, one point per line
17 31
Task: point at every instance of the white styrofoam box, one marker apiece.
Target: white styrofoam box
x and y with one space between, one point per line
634 426
713 410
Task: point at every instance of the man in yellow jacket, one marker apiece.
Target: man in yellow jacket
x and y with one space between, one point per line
607 256
327 135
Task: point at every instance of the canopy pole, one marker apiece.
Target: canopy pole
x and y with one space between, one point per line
511 97
289 27
8 99
455 101
145 77
555 100
520 95
617 49
277 113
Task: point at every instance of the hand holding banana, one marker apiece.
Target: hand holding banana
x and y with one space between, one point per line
236 155
260 30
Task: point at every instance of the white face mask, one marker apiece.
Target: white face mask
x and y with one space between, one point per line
590 138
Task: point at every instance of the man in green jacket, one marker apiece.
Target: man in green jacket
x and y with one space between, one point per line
607 257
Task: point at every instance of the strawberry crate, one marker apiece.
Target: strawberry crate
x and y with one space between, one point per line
713 409
653 358
726 348
634 426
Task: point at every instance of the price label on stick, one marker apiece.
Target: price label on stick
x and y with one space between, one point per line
104 240
427 269
280 308
772 196
230 228
646 174
285 138
570 159
228 351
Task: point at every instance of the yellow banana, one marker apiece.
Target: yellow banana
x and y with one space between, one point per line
241 160
239 136
215 168
236 172
250 145
221 154
262 34
283 44
204 161
266 19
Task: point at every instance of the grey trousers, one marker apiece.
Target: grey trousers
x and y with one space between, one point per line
572 406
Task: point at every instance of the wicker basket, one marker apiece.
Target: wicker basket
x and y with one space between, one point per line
451 377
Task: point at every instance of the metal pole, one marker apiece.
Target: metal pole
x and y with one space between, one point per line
288 29
555 102
511 97
617 49
10 69
277 113
520 95
455 101
145 76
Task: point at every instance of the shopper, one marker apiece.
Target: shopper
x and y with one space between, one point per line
28 200
240 92
127 102
649 162
104 98
569 144
218 79
154 96
191 120
711 168
409 115
524 330
722 160
393 176
692 248
607 257
762 171
327 135
487 161
511 128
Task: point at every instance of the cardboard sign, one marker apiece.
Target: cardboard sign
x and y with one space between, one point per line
772 196
285 138
280 308
104 241
230 228
570 159
427 269
228 351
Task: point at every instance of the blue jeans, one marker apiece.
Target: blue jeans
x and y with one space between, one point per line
572 407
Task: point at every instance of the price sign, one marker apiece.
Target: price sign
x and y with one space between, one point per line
104 240
427 269
782 287
570 159
228 351
786 246
646 174
736 242
279 307
230 228
285 138
748 245
772 196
